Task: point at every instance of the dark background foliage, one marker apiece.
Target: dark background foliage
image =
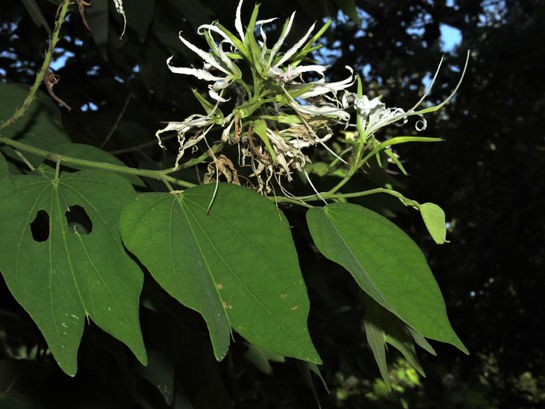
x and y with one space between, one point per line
488 176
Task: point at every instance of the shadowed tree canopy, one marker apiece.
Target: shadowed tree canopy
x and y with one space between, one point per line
487 175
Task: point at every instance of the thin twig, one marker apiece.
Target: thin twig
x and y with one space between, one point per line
63 9
142 145
131 95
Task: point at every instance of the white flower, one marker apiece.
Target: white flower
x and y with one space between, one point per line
224 64
375 115
193 121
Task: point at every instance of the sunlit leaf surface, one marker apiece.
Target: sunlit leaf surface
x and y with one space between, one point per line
236 266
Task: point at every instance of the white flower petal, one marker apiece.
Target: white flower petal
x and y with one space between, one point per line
324 110
322 88
295 48
214 95
238 21
200 74
204 55
261 22
281 40
214 28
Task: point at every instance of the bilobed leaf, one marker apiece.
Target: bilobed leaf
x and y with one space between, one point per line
236 266
434 218
387 265
69 275
261 357
39 127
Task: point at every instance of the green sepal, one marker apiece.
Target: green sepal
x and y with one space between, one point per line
282 118
395 141
260 128
282 99
248 108
396 160
238 44
214 49
250 43
209 107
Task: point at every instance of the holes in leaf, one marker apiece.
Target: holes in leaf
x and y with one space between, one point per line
40 227
78 221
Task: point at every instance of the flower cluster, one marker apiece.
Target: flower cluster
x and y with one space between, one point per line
276 113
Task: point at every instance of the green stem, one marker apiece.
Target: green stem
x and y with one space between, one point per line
330 196
32 168
58 169
154 174
169 187
42 72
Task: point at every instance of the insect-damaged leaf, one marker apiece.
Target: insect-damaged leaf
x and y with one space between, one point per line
62 274
237 266
387 265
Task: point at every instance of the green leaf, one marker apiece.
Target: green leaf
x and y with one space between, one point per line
304 368
208 107
314 368
375 337
37 15
386 327
139 15
40 126
3 167
163 339
421 341
97 18
260 128
194 11
387 265
261 357
434 217
69 275
349 8
237 266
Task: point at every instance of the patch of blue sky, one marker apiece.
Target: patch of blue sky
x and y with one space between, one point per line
450 38
89 107
60 61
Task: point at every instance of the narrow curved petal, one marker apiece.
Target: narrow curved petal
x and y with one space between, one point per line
204 55
281 40
238 21
200 74
295 48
